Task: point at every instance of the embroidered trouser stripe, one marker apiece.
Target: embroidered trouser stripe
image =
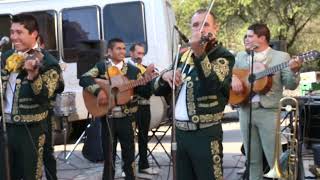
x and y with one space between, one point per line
25 147
49 160
41 141
199 154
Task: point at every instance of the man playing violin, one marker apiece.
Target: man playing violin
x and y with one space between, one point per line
265 106
30 78
121 116
203 79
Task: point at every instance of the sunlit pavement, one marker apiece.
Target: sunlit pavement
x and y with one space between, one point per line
79 168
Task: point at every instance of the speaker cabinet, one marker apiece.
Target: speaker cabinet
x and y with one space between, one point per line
90 52
280 45
311 123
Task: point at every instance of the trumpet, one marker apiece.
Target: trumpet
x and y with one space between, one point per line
287 166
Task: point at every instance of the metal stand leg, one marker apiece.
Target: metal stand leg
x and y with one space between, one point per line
159 139
64 122
77 142
65 155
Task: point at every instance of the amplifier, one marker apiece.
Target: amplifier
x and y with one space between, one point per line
310 122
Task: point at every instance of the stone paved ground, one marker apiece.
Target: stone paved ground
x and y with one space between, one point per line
78 168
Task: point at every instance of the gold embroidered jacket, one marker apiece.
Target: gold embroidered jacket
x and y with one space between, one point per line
31 99
147 92
208 84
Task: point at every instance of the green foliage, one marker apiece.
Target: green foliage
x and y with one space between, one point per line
184 10
296 21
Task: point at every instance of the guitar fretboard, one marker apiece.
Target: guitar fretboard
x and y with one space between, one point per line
271 70
305 57
134 83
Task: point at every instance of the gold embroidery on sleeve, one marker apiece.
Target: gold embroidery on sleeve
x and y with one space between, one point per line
36 85
206 66
51 78
221 67
92 88
94 72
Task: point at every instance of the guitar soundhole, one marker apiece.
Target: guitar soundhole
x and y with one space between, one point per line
115 90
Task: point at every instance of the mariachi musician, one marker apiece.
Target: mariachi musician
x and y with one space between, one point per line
30 79
204 73
264 106
121 116
143 115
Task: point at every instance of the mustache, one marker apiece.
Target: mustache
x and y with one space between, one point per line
138 59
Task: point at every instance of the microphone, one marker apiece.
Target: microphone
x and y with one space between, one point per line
182 36
4 40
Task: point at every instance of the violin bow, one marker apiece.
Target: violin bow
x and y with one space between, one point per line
206 17
202 26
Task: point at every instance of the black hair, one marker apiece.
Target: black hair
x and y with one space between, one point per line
113 41
133 47
27 20
260 30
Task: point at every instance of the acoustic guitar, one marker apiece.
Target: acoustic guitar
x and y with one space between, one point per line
119 92
263 77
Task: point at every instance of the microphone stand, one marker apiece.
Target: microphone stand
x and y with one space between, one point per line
109 122
251 81
173 130
4 135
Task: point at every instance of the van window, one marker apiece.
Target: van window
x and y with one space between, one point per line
78 24
129 26
5 24
47 29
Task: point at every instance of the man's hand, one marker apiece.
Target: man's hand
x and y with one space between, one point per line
168 77
32 68
295 64
236 84
102 98
150 69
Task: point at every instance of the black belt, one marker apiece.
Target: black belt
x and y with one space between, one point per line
190 126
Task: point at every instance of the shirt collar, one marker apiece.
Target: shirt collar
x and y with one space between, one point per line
36 46
119 65
261 56
264 52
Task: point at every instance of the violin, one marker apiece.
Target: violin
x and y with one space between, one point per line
203 40
35 54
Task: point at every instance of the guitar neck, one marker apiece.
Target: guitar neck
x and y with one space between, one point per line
272 70
134 83
304 57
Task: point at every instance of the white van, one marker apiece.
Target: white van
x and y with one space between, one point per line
65 24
